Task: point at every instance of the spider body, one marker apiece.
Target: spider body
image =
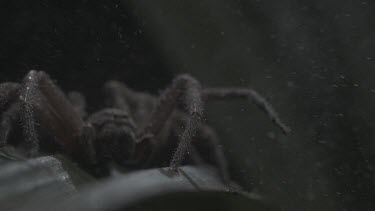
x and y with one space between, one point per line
136 130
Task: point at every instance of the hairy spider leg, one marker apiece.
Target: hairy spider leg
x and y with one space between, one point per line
8 94
188 90
87 154
59 115
124 98
78 101
137 104
211 94
207 140
118 95
28 98
40 95
212 138
8 119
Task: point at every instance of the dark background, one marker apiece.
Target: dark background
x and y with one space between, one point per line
313 60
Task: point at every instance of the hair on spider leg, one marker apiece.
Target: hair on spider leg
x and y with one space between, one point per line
186 95
28 99
7 91
137 130
78 101
211 94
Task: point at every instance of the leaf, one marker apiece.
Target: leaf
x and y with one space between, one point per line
194 187
31 181
44 184
125 190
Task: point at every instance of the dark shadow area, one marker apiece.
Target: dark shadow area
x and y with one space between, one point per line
81 44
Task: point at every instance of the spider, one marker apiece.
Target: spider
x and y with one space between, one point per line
137 130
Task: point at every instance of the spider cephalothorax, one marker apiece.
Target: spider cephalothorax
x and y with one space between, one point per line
136 130
114 135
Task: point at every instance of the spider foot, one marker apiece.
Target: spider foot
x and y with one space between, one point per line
170 172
